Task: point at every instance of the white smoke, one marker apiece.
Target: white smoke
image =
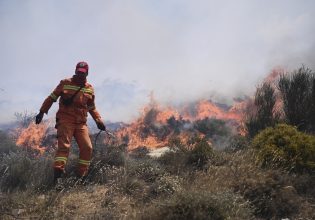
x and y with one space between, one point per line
181 50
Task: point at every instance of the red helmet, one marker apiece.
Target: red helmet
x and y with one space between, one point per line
82 67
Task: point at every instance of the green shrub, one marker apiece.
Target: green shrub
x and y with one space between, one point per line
201 153
263 114
284 146
297 90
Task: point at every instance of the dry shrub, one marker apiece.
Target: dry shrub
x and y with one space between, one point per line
107 163
236 143
29 205
271 193
6 144
201 153
21 171
273 197
197 153
103 174
198 205
114 155
140 153
174 161
133 186
148 170
284 146
166 185
304 185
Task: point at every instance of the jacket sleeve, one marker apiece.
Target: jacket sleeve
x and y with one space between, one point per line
92 110
52 98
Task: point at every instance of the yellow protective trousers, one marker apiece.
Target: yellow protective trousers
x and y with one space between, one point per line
65 132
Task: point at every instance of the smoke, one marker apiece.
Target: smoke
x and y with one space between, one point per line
181 50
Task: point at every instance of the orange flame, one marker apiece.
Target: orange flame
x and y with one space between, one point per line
136 130
142 132
272 79
208 109
274 75
32 136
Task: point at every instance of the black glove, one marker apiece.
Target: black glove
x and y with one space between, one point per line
101 126
39 117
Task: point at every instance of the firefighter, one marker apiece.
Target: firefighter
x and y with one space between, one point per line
76 99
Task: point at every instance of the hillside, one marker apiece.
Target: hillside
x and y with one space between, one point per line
252 160
200 183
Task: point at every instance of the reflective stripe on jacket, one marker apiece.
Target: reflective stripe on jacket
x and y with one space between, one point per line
76 112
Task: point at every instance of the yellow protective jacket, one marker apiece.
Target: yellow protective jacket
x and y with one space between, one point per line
76 112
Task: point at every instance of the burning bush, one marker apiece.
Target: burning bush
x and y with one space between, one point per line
284 146
212 127
157 125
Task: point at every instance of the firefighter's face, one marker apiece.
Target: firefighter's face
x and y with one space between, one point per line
81 75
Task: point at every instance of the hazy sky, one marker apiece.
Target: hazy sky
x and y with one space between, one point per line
181 50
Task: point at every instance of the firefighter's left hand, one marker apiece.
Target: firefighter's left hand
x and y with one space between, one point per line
100 125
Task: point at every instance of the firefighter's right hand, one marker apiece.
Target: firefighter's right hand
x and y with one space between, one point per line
39 117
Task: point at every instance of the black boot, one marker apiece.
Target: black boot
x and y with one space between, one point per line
58 174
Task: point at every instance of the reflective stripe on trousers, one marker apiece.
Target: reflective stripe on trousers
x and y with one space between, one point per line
65 132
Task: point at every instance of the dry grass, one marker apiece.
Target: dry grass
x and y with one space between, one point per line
230 185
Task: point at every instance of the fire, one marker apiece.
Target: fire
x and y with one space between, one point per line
32 137
274 75
156 124
139 132
272 79
208 109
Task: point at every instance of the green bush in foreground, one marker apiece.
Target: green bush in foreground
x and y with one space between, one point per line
284 146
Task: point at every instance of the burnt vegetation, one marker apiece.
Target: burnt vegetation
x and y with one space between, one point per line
268 174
